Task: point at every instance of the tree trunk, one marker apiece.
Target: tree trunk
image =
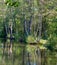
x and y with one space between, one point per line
28 59
3 48
39 27
38 51
43 57
23 56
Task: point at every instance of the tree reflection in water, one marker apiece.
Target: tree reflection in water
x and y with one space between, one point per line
30 58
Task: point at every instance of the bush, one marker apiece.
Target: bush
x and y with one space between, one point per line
30 39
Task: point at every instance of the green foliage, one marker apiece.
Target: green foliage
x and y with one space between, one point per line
28 10
12 3
30 49
30 39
